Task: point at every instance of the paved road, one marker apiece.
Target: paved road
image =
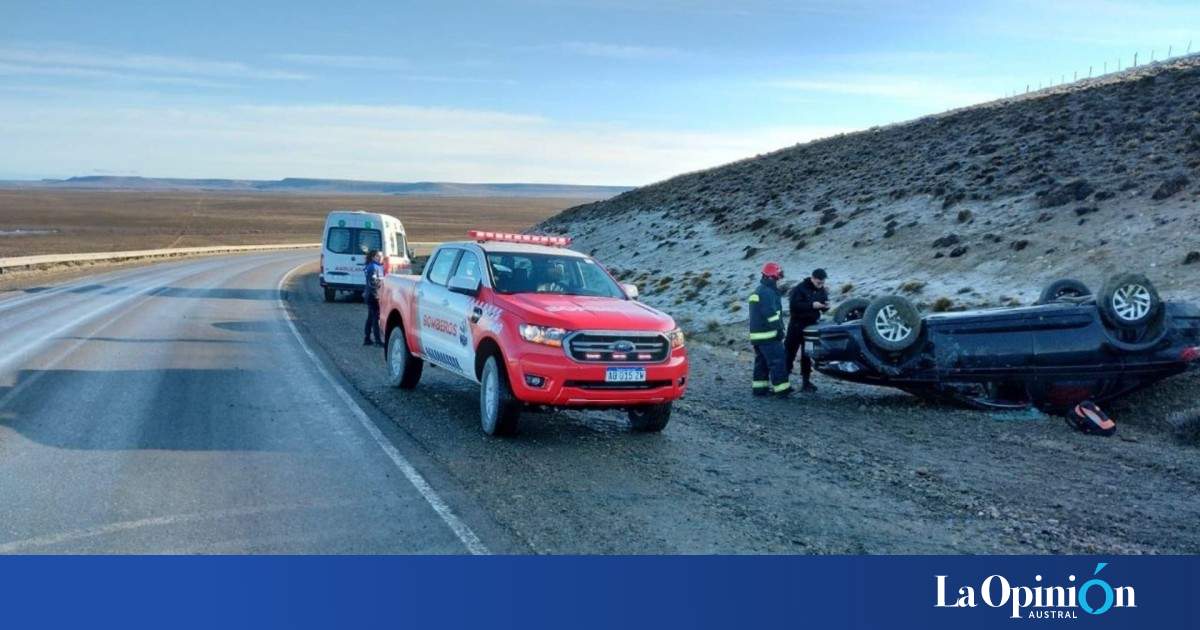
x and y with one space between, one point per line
173 408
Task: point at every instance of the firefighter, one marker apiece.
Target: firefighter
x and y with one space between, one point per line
373 276
806 302
766 334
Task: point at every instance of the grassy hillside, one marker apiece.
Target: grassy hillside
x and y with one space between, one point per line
976 207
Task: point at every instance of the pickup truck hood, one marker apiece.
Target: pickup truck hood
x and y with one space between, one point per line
574 312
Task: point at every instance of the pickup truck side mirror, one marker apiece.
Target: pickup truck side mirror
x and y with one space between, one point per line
631 291
465 286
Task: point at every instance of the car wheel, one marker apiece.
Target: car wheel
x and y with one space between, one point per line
891 323
404 369
1064 287
499 409
851 310
1129 300
330 294
649 418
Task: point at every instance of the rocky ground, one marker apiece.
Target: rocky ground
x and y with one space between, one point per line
977 207
850 469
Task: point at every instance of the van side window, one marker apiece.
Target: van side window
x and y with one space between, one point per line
439 269
401 245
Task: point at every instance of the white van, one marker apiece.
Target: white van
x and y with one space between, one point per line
349 235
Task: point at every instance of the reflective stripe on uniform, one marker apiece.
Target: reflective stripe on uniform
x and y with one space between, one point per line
775 317
782 387
759 336
760 384
754 297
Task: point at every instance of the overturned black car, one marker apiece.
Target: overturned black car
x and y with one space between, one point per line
1070 347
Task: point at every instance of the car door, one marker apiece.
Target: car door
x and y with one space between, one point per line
438 325
461 309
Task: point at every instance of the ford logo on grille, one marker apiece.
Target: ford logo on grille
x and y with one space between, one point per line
623 346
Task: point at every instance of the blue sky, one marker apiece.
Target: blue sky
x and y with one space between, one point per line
588 92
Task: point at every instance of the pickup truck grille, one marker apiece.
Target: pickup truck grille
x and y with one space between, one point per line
618 347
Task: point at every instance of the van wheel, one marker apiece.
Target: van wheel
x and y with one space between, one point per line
499 409
404 369
330 294
891 323
649 418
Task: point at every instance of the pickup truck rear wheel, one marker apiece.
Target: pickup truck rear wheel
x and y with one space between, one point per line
330 294
891 323
850 310
499 409
649 418
404 369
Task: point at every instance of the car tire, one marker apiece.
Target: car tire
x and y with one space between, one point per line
404 369
851 310
891 323
649 418
1129 301
1064 287
330 294
499 409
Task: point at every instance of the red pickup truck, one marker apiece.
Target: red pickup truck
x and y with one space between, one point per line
533 323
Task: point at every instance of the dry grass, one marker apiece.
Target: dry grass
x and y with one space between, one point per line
95 220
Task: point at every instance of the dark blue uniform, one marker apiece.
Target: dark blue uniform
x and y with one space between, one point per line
373 273
766 335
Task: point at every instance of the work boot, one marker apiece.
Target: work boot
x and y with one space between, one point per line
808 387
784 393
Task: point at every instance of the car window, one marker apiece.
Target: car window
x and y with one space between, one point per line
401 246
547 273
353 241
340 241
369 240
468 267
439 269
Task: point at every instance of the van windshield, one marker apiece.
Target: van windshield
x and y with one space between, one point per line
354 241
546 273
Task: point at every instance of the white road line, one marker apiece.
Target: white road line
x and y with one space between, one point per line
173 519
460 529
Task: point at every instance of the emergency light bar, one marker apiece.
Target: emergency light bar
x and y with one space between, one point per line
530 239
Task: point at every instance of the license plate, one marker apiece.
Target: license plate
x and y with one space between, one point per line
625 375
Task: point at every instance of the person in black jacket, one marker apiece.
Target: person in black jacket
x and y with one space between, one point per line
806 301
766 334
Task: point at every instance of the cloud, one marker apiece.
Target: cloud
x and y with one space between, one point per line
365 142
620 51
915 90
352 62
59 59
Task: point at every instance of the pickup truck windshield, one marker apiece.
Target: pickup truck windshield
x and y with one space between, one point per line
546 273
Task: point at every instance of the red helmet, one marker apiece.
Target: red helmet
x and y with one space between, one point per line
772 270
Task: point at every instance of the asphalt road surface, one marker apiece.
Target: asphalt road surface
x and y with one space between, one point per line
174 409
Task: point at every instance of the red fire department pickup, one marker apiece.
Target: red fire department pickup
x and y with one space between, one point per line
533 323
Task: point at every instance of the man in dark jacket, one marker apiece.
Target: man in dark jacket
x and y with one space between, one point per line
766 335
373 273
806 302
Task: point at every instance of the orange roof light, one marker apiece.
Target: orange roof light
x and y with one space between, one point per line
529 239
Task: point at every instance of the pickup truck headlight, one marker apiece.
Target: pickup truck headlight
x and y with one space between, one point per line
676 337
544 335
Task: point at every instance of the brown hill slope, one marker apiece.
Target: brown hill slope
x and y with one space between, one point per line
979 206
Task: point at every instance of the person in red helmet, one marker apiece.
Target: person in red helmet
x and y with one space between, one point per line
766 335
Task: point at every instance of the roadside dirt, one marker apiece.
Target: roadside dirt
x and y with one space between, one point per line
850 469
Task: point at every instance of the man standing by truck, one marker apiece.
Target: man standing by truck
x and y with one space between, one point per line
806 302
374 277
766 334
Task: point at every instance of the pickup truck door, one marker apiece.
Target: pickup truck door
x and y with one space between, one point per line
464 309
439 327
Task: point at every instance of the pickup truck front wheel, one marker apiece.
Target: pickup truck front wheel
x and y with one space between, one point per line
404 370
499 409
649 418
